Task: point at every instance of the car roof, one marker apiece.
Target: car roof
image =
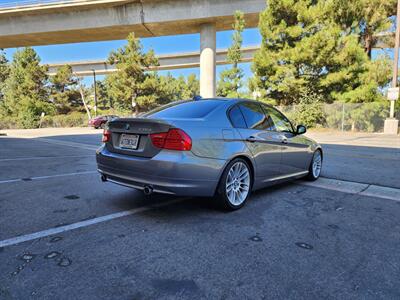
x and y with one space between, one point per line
228 99
223 99
225 103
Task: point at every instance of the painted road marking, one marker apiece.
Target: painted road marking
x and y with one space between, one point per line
355 188
43 157
325 183
61 143
57 230
69 144
47 177
349 187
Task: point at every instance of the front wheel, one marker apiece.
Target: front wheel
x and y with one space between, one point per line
235 185
314 171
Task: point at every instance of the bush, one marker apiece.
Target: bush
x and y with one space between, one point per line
7 122
118 112
369 116
74 119
30 110
309 111
334 116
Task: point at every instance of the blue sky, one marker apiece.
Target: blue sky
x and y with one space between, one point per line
161 45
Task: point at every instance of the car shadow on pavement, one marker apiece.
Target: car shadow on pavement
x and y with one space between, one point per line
188 207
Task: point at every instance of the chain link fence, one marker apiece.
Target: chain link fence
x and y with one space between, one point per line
364 117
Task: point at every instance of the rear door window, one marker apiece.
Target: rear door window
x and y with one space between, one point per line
254 116
236 117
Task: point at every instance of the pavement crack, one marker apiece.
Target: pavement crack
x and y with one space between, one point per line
364 189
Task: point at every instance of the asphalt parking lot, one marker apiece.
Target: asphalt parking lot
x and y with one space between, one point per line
66 235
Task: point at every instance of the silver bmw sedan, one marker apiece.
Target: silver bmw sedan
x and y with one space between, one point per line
210 147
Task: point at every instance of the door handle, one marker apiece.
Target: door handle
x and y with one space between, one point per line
251 139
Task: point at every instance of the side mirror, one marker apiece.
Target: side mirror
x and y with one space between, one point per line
301 129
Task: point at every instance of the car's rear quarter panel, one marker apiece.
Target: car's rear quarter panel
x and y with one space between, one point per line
213 137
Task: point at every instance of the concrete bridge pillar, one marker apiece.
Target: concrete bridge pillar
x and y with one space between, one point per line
207 60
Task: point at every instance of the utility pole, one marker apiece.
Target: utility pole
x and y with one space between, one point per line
95 92
392 124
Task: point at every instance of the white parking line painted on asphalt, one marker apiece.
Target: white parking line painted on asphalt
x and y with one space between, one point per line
350 187
47 177
69 144
57 230
43 157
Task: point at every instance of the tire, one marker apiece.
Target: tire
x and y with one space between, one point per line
314 170
234 187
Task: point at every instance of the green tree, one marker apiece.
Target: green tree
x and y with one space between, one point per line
4 72
102 94
63 90
181 88
305 49
193 86
25 93
231 79
364 17
131 86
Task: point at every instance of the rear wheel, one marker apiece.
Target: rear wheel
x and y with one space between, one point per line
235 185
314 171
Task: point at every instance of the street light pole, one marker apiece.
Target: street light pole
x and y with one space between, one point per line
95 92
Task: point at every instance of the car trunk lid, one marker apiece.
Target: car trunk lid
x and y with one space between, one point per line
125 132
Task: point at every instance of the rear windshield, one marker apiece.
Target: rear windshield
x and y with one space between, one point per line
185 110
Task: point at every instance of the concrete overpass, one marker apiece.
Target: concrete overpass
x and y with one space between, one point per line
99 20
166 62
44 22
184 60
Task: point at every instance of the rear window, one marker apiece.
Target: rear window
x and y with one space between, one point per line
184 110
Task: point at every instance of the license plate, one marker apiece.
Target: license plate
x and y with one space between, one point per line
129 141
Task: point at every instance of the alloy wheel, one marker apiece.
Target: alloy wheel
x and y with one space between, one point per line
317 164
237 183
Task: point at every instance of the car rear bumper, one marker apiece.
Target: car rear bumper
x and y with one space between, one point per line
169 172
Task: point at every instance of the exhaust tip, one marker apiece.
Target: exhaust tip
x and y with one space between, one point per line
148 190
103 178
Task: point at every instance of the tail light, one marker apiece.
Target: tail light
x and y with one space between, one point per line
106 136
174 139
